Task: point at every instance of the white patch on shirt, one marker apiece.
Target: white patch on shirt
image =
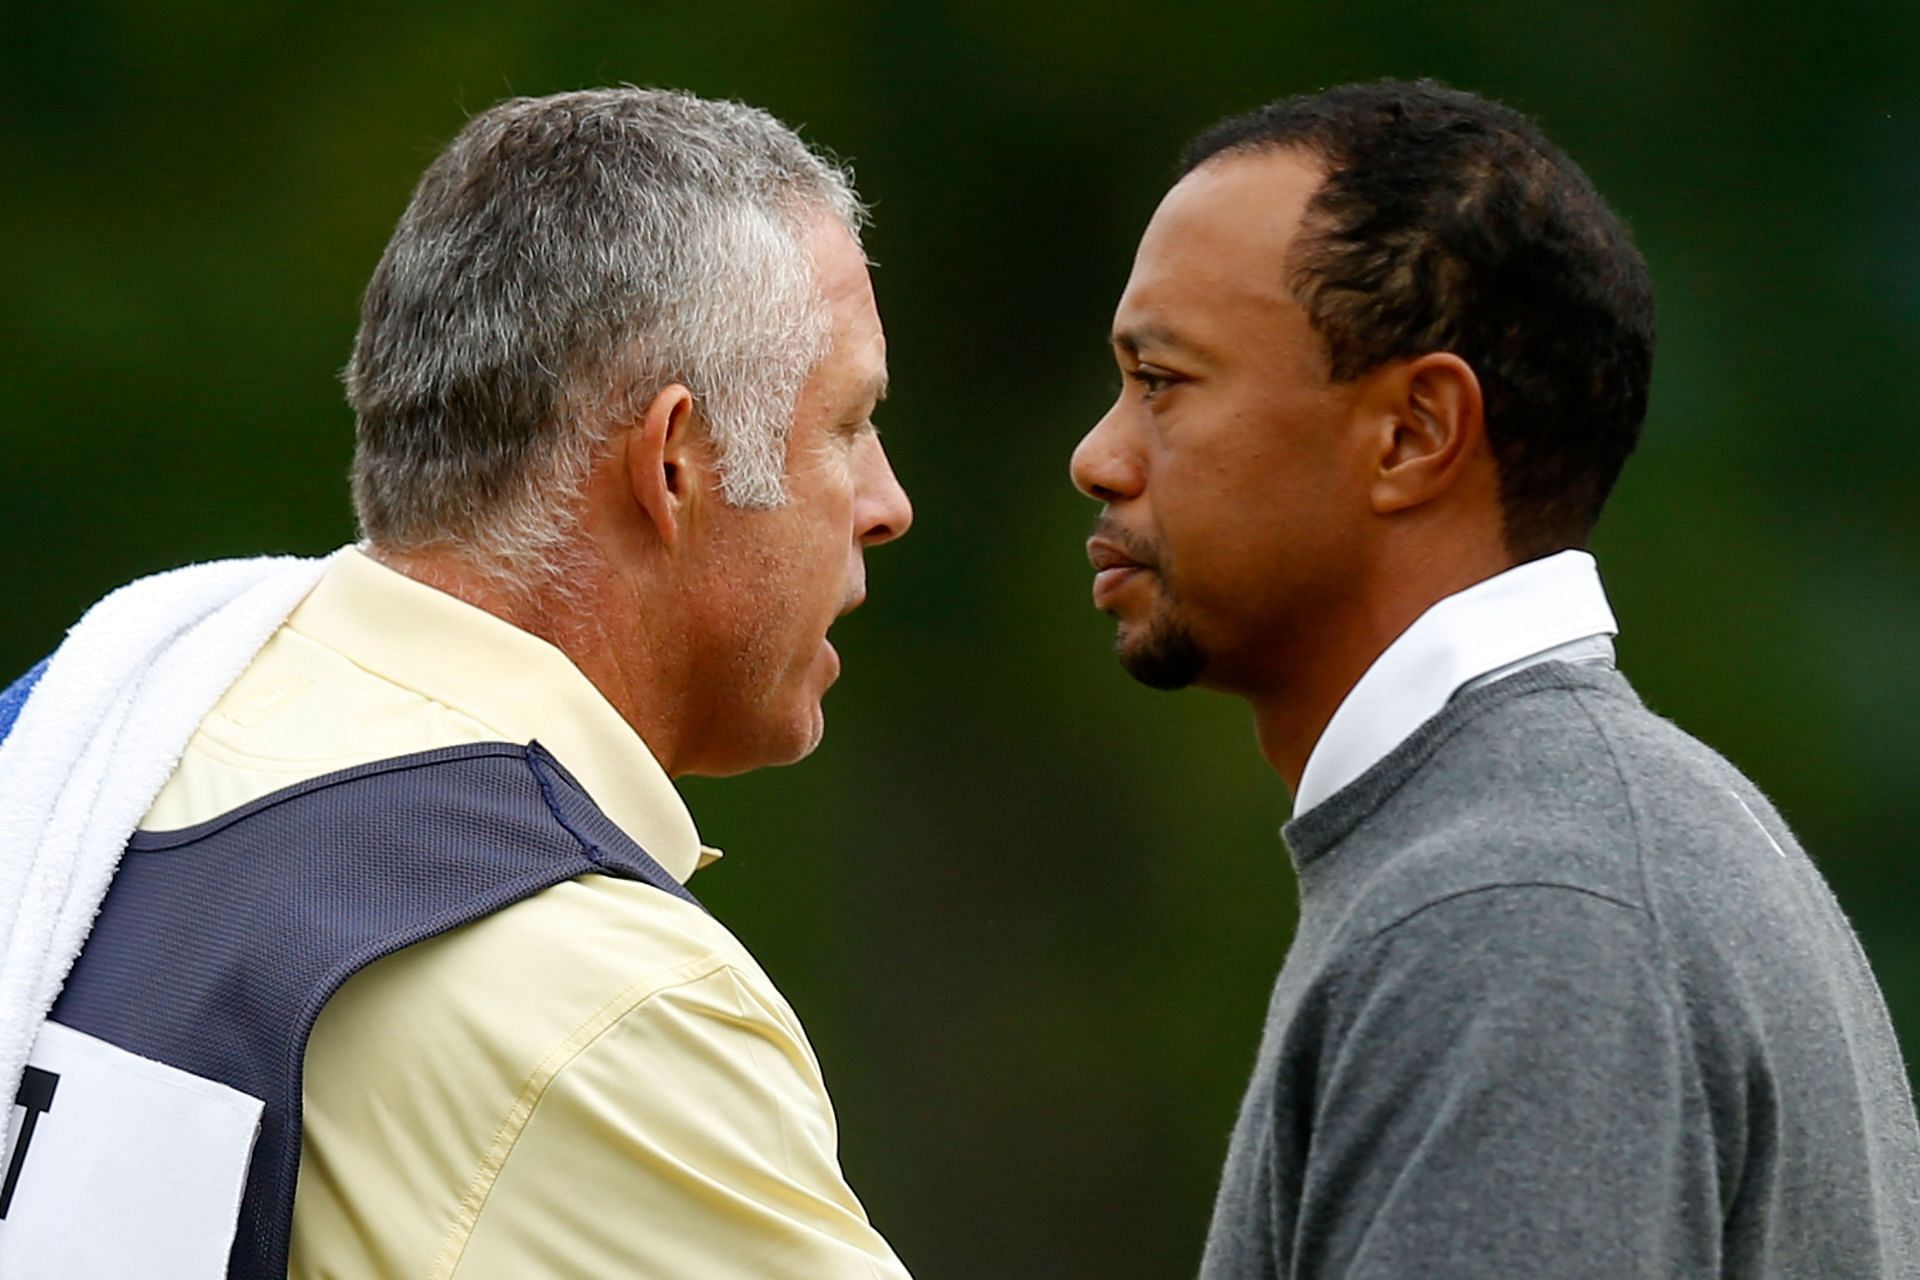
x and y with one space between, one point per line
133 1167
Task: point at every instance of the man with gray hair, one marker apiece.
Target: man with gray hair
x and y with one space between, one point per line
412 901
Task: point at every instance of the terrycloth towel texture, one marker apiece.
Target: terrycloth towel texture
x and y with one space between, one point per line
97 735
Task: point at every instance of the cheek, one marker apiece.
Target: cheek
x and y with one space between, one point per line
1233 535
824 545
1211 513
795 597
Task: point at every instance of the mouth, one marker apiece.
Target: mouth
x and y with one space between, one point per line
855 598
1112 570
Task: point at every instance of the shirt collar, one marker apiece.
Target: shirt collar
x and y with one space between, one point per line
1509 621
515 683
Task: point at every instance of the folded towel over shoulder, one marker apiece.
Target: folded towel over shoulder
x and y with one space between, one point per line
91 735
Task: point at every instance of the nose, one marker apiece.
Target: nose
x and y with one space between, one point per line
882 511
1101 468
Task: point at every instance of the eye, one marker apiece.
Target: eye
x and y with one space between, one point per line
1150 380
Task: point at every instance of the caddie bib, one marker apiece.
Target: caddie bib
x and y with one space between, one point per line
158 1124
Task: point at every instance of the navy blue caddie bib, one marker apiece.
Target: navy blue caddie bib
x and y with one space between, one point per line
218 944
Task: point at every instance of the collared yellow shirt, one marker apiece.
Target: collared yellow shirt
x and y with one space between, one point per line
598 1081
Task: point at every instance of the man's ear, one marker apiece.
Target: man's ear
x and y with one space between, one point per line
665 459
1432 426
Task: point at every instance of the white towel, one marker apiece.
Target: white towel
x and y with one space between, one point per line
96 741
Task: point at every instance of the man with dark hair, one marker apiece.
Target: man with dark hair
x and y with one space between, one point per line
407 895
1566 997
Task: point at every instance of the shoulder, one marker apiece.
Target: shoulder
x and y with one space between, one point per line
1719 866
1567 782
1492 997
1524 982
527 977
426 1066
1508 934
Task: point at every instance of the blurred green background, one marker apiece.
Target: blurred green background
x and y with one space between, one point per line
1029 910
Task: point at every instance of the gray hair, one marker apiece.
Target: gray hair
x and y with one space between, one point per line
562 261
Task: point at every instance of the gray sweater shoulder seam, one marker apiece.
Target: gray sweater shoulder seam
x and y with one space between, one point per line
1634 824
1351 963
1658 929
1497 887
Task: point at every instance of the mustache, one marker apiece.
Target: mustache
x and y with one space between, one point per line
1144 551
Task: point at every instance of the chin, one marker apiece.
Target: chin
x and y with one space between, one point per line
793 739
761 738
770 751
1160 654
805 738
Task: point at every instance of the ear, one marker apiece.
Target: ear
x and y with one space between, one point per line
1432 427
665 462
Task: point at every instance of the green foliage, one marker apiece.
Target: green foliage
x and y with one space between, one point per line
1029 910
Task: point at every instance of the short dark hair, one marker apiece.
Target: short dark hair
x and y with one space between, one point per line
1449 223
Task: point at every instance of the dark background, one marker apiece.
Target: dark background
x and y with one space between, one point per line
1029 910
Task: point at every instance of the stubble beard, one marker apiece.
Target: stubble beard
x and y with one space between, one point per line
1163 655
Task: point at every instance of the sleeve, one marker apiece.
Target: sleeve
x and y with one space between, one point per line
1504 1093
692 1139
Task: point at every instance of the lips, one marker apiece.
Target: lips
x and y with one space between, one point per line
1112 570
1105 555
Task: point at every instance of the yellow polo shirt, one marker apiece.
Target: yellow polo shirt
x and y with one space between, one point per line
595 1082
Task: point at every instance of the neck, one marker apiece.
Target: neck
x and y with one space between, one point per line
636 673
1292 711
1305 684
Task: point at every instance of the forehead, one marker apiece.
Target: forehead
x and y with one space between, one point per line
840 272
1213 259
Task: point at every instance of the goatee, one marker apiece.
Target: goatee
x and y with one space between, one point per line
1165 656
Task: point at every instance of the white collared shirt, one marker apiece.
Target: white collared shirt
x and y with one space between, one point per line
1553 609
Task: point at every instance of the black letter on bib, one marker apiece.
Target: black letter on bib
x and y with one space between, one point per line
36 1095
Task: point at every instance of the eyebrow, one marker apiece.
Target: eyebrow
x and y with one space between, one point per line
878 387
1133 340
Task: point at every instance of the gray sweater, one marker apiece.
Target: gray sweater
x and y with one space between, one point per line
1567 1000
